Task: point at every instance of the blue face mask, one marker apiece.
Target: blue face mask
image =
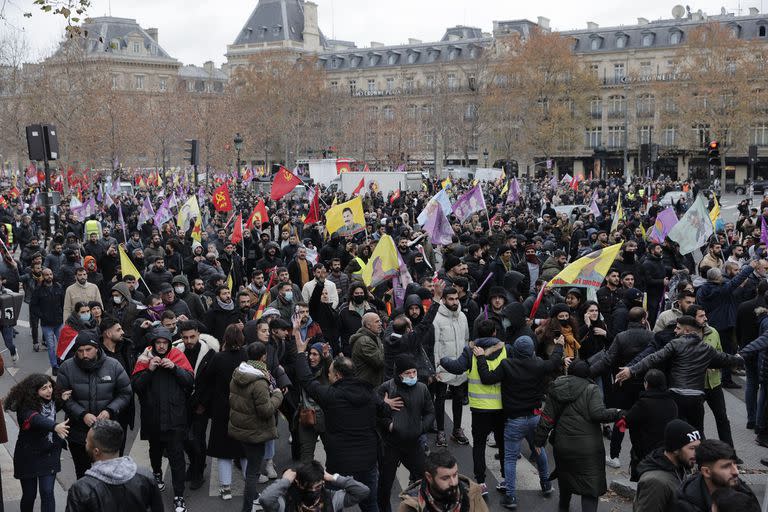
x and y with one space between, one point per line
289 296
410 381
85 317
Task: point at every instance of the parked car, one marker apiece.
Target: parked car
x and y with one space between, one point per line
758 187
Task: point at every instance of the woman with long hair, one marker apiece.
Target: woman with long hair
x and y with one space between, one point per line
593 332
37 456
560 323
215 379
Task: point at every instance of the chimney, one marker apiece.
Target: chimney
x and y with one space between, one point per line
414 41
208 66
754 11
642 21
543 22
591 25
376 44
153 34
311 32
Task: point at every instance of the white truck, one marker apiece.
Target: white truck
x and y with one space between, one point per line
387 181
322 170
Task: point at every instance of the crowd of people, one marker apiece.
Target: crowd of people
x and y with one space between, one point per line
212 342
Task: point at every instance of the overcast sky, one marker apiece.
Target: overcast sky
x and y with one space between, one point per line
194 31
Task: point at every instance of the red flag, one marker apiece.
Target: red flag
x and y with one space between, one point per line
14 193
366 169
237 231
394 197
359 187
537 302
58 184
342 166
314 208
575 183
71 179
221 200
264 298
259 212
284 182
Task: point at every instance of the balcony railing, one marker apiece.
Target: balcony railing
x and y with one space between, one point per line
596 114
646 113
617 113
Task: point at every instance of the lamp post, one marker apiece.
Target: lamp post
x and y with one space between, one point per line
485 155
238 146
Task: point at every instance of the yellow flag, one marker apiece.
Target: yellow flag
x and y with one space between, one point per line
618 216
335 200
447 182
230 282
588 270
642 230
126 265
346 218
383 263
715 213
505 188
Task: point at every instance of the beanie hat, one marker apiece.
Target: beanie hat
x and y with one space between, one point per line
523 348
450 261
557 309
271 312
579 368
404 362
497 291
160 333
678 434
87 338
319 347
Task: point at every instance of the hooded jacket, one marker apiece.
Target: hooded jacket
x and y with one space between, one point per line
47 303
693 495
419 342
193 300
451 337
717 299
253 404
115 484
658 483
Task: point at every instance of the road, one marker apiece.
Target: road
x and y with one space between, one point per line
207 498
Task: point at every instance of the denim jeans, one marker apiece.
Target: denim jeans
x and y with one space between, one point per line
515 430
225 470
51 338
369 478
254 452
7 333
761 425
29 493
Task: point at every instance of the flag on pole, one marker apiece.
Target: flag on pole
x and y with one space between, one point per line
618 216
221 199
763 231
439 228
514 192
446 183
314 208
553 183
714 213
665 221
470 202
589 270
383 264
442 198
127 268
163 214
259 212
593 205
359 187
694 229
230 282
265 298
283 183
237 231
121 220
346 218
504 189
146 212
395 196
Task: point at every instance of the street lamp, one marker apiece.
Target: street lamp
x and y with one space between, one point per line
238 146
485 155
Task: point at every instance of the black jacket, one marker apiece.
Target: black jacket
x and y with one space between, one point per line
115 485
693 495
47 303
416 415
688 357
523 381
154 279
746 328
625 347
654 272
352 412
646 421
217 319
417 343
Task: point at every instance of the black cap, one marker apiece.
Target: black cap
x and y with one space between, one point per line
165 288
87 338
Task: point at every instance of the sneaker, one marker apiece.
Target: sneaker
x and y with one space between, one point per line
509 502
179 505
459 437
263 478
441 440
159 481
15 357
502 487
269 469
546 488
612 462
491 441
225 493
36 347
483 488
44 345
256 507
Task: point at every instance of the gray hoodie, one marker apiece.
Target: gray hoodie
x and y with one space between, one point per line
113 471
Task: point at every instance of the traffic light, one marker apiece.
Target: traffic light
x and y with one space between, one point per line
713 153
193 151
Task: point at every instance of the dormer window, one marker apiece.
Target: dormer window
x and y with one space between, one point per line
392 59
596 42
373 60
136 47
621 41
647 40
454 53
412 57
735 31
761 31
675 37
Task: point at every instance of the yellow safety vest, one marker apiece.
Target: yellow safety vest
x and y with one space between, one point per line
485 396
92 226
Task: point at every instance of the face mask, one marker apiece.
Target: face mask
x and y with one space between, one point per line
158 309
358 299
310 497
410 381
564 322
289 296
85 317
117 300
179 289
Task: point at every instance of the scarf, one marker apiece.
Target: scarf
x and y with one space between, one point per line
427 502
174 354
262 367
48 411
572 346
226 306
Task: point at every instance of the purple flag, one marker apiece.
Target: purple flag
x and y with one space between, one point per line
514 192
99 197
146 212
438 228
201 196
115 189
593 205
121 220
163 214
553 182
470 202
665 221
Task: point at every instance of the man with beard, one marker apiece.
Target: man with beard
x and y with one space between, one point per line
284 300
609 294
256 288
192 299
717 470
320 276
713 259
627 261
157 275
222 313
54 260
100 388
113 483
271 259
32 278
339 278
47 303
163 380
173 302
80 291
531 267
442 488
300 268
69 267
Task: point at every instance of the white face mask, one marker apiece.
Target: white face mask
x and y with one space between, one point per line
117 299
179 289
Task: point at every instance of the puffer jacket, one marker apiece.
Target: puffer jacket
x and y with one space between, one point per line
717 299
252 405
115 484
694 496
105 386
416 415
658 483
688 357
575 411
451 337
368 356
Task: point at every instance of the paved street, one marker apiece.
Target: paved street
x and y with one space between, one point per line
207 498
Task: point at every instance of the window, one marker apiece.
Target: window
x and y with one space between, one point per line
675 37
335 63
136 47
670 106
409 84
334 86
163 83
735 31
594 69
470 112
701 135
208 87
140 82
371 85
646 69
388 113
430 81
615 136
115 81
617 106
621 41
471 83
647 39
669 136
596 108
413 111
760 134
352 86
645 105
645 134
390 84
190 86
392 59
594 137
761 31
412 57
619 72
596 43
452 82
